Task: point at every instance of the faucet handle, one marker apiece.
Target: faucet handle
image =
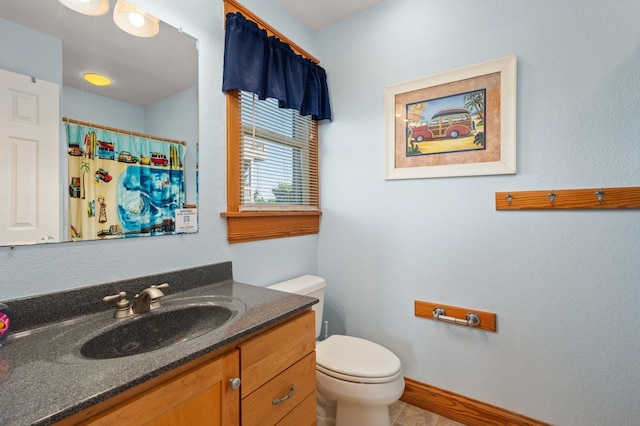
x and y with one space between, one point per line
123 308
154 304
122 296
163 285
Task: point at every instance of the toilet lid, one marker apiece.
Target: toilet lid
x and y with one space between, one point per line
357 360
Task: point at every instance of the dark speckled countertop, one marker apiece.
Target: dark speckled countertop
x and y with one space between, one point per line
43 376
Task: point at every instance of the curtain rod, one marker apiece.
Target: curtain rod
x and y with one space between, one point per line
234 6
127 132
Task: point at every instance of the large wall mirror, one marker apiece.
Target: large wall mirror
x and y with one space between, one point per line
115 154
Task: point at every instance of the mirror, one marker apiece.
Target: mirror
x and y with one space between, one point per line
153 96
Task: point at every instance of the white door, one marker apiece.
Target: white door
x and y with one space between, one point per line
29 160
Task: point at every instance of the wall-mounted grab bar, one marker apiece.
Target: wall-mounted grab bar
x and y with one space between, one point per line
456 315
472 319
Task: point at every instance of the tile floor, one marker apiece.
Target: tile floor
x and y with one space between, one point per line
403 414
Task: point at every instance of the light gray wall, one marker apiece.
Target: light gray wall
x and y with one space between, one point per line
28 52
564 284
84 106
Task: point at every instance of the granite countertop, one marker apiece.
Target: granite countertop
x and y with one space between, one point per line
44 378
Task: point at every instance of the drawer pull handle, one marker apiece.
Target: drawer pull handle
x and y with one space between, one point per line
277 401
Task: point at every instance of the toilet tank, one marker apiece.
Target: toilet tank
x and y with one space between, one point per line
306 285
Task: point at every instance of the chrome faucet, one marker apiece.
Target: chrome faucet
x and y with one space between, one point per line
148 299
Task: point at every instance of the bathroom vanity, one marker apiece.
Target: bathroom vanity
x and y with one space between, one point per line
279 374
256 368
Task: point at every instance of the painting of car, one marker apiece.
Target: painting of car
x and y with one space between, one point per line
105 151
75 150
126 157
144 160
447 123
103 175
158 159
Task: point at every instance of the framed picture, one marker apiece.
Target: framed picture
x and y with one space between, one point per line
457 123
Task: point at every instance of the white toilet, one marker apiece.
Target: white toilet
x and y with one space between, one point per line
362 377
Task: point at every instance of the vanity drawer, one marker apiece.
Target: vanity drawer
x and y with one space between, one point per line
259 407
304 414
267 355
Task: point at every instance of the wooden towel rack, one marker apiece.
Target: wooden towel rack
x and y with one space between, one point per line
592 198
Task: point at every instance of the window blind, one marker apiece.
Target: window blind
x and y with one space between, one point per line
278 155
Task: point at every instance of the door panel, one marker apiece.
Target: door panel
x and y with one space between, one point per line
29 159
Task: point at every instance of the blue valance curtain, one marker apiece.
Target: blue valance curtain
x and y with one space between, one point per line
264 65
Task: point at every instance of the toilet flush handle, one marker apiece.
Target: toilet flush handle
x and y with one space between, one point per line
277 401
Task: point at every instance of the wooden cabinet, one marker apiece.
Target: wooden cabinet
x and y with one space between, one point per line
201 396
278 372
278 382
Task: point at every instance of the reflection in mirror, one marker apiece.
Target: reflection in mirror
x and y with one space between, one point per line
146 115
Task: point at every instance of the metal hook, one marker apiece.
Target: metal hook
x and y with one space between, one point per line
600 194
509 198
552 197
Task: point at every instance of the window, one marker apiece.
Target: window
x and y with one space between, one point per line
272 171
272 162
276 154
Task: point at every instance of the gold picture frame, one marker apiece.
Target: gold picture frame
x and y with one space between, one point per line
456 123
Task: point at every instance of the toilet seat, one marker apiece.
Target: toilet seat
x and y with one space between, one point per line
357 360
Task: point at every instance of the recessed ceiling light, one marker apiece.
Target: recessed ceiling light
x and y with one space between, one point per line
96 79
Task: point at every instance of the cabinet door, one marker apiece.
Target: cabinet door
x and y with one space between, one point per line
201 396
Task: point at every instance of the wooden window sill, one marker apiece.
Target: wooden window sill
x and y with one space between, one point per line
249 226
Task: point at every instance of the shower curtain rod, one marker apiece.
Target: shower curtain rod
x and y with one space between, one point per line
127 132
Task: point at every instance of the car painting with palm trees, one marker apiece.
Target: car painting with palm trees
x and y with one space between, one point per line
448 124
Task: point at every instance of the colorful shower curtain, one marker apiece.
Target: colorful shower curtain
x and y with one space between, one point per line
122 185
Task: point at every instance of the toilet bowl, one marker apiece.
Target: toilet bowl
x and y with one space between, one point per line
361 378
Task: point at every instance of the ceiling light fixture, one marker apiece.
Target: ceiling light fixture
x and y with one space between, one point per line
96 79
135 21
87 7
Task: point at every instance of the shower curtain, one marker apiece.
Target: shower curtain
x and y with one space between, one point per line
122 184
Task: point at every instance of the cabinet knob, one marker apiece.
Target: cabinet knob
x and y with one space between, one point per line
235 383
